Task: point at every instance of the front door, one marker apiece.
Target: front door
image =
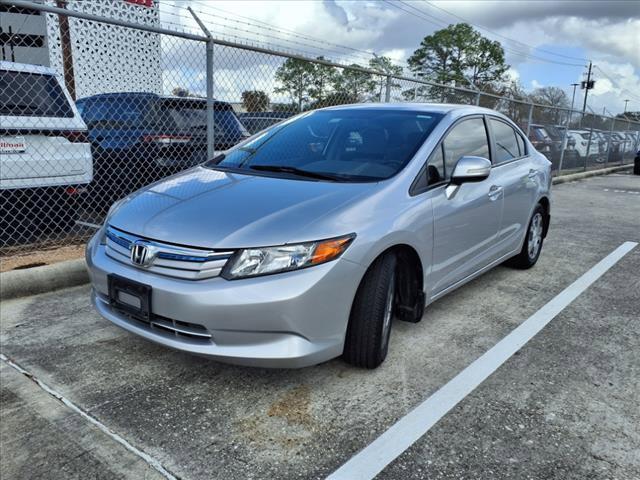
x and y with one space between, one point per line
467 218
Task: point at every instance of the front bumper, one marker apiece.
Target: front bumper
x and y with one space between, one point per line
292 319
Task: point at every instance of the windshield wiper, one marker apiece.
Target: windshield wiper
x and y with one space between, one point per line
295 171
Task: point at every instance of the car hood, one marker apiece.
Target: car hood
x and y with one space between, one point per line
216 209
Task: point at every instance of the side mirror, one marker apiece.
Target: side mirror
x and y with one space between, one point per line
471 169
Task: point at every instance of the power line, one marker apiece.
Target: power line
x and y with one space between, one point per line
266 35
243 38
615 83
440 22
272 27
503 36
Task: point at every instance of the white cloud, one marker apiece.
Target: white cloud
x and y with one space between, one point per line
513 74
535 84
623 83
397 55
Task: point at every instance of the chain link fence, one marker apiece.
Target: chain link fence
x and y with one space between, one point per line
124 105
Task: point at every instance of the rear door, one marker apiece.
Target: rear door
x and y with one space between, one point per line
42 137
514 171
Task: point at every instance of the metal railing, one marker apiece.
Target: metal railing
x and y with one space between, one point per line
152 101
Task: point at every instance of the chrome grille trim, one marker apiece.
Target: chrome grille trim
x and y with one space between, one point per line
189 330
170 260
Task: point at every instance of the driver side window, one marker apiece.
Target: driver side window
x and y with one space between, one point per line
467 138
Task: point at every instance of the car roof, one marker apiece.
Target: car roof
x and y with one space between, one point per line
419 107
149 95
26 67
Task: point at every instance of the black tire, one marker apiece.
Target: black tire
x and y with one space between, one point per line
367 339
525 259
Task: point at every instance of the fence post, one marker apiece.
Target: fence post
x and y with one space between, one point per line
608 154
530 118
387 92
211 140
563 145
625 141
478 99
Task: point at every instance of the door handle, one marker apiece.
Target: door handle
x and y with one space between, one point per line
495 191
532 173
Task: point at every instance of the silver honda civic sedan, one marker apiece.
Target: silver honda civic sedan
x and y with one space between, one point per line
305 241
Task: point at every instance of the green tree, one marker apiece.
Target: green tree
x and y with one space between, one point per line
384 64
295 79
181 92
255 101
459 56
355 85
322 79
514 104
333 98
554 97
633 116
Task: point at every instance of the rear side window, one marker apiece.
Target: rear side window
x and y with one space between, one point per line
506 141
192 116
24 94
115 112
467 138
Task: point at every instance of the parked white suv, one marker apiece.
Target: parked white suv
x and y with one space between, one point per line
45 156
587 144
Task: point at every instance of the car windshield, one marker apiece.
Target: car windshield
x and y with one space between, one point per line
342 145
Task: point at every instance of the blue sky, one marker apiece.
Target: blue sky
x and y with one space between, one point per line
607 32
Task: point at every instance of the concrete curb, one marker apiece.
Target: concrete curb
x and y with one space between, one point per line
21 283
591 173
31 281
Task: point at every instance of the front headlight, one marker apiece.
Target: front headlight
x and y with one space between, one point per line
252 262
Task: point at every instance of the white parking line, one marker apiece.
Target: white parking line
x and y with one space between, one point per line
374 458
106 430
630 192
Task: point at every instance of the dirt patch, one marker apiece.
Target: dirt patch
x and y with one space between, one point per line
46 256
294 406
287 429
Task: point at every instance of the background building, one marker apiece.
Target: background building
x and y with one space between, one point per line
105 58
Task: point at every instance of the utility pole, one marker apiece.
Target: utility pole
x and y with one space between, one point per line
67 55
625 105
588 85
573 98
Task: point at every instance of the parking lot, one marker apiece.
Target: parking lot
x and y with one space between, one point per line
564 406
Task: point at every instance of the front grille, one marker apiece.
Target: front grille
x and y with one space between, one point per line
167 327
188 263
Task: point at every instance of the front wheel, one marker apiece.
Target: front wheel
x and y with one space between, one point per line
367 339
532 245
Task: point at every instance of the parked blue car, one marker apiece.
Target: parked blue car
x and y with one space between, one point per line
137 138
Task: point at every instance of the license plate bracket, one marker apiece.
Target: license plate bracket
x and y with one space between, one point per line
130 297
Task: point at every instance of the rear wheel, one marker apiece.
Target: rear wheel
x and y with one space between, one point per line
532 245
367 339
